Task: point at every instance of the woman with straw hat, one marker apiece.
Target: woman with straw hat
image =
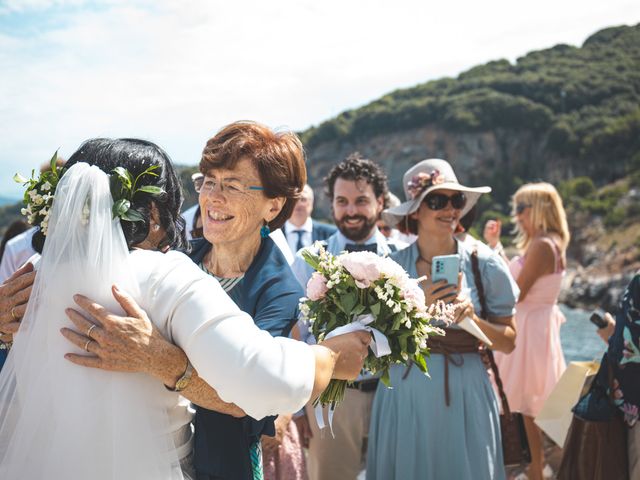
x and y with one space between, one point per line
446 426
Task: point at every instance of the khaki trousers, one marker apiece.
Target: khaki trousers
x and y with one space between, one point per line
342 457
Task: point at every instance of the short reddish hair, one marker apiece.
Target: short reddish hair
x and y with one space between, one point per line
277 156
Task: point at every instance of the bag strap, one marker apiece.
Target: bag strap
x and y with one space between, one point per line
487 352
475 267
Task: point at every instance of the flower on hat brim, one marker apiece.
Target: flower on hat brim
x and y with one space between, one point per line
420 182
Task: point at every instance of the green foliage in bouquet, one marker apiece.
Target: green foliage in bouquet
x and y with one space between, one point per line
377 292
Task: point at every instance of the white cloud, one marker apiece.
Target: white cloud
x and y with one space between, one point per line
174 72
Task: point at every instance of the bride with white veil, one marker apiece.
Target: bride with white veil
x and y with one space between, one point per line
62 421
49 407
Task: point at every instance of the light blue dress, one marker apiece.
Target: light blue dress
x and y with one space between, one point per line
414 435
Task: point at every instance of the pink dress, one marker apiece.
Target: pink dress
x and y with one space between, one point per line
531 371
289 461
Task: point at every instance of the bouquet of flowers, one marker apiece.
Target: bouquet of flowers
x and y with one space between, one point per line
362 291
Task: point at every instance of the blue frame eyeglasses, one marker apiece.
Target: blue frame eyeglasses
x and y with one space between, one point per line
228 188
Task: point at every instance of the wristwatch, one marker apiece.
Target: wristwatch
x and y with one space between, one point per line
184 380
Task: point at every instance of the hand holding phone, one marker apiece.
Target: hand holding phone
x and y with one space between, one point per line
598 320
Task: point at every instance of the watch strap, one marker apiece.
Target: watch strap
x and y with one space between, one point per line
184 380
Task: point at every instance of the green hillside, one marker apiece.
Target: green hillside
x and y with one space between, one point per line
581 104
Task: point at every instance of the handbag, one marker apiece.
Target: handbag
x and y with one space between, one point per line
515 445
596 449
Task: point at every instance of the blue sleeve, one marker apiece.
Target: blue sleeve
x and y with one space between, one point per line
277 305
501 290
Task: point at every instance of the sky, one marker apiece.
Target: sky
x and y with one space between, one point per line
175 72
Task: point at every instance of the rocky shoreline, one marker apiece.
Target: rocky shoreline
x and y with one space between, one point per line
588 291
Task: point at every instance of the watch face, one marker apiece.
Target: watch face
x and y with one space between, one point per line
183 381
182 384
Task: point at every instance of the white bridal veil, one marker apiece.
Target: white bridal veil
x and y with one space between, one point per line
58 420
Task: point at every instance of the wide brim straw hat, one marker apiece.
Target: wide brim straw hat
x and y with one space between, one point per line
422 179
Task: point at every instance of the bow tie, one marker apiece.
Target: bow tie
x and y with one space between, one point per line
359 247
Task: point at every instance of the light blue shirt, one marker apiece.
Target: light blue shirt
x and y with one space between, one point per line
500 288
335 245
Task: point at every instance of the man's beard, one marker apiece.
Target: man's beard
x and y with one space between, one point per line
356 234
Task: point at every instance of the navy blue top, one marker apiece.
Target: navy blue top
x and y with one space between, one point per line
3 357
624 356
269 293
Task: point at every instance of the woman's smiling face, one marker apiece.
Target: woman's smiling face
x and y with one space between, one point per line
438 222
232 204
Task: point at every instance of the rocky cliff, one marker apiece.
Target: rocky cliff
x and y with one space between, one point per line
553 115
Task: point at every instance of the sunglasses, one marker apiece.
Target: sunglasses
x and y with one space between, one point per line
438 201
521 207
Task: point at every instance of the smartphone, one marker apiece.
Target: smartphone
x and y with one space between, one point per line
445 267
597 320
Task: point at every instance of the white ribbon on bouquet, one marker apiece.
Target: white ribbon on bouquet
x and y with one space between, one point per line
379 346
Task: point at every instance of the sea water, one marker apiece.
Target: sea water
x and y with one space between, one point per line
578 336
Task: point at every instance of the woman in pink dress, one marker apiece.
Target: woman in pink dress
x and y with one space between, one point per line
282 455
532 370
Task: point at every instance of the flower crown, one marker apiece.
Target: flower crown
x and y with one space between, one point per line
40 192
420 182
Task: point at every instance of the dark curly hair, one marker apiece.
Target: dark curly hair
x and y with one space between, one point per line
356 167
136 156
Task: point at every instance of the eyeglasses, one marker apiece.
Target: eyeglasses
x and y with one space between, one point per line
438 201
521 207
230 188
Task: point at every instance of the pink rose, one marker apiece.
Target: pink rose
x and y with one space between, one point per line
364 267
317 287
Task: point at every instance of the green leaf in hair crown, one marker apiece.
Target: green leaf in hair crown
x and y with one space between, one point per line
124 188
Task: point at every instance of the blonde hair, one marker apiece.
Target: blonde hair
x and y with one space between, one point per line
547 213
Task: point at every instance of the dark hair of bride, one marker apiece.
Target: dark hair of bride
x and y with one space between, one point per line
137 156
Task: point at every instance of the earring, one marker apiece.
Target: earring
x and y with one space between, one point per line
156 227
265 230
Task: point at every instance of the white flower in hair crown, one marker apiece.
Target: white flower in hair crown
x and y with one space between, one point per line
419 183
40 192
38 197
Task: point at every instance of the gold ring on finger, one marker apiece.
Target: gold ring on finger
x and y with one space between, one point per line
13 313
86 345
91 328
